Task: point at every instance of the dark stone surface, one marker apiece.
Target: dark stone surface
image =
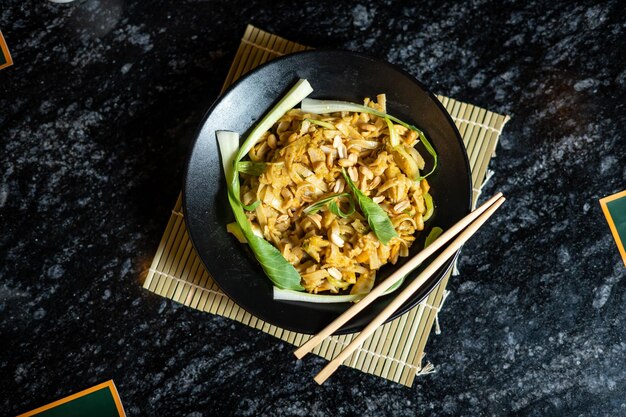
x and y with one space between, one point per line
97 114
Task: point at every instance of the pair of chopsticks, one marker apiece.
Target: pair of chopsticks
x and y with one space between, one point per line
465 228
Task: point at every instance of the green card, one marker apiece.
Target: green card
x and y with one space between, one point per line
99 401
5 56
614 208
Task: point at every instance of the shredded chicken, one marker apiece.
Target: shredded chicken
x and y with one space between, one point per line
305 160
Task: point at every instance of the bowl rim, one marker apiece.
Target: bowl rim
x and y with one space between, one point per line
442 272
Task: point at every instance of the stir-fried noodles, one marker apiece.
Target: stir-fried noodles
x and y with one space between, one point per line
307 206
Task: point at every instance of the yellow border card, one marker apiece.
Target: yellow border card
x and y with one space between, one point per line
614 208
5 55
99 401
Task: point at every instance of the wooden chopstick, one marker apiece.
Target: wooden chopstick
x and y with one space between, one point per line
400 272
332 366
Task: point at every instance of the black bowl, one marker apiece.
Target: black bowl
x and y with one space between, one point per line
333 74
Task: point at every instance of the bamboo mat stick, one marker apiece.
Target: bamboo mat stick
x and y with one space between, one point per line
332 366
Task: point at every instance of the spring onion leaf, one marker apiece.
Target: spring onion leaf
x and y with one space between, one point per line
322 123
240 216
314 106
251 207
430 206
276 267
289 295
435 232
317 206
333 207
294 96
404 159
393 135
252 167
395 286
228 144
280 272
407 163
430 150
376 217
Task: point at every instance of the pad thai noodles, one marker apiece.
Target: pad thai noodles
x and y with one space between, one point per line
306 186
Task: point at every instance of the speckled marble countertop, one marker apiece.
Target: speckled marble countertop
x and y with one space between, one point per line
96 117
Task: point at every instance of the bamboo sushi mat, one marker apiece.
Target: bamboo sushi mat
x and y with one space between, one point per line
395 351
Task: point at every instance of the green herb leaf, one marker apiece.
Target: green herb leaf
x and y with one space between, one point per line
276 267
376 216
333 207
435 232
317 206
